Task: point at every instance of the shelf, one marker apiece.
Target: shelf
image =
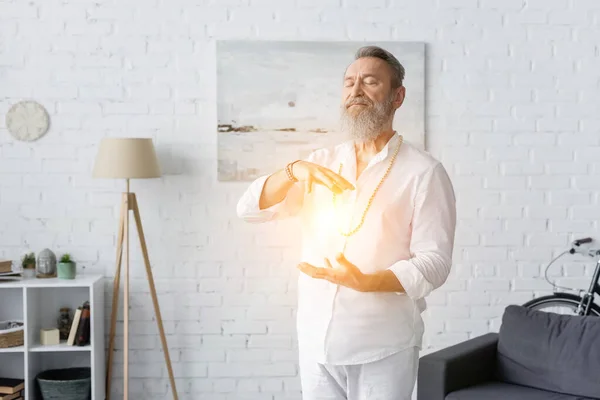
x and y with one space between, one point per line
37 302
79 281
39 348
16 349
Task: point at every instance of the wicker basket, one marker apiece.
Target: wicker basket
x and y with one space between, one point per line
11 334
65 384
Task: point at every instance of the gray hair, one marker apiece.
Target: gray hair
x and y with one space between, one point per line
378 52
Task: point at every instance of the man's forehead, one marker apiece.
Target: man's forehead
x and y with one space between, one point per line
366 66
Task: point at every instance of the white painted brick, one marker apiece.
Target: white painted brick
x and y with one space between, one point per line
548 212
571 17
101 92
514 125
566 168
502 239
244 327
271 385
270 341
21 11
458 4
467 325
545 5
251 369
557 125
549 182
590 125
516 168
319 3
294 15
587 154
322 32
254 14
535 139
483 271
463 299
361 4
370 32
248 355
88 27
277 30
533 110
556 95
190 370
124 108
272 3
566 198
247 385
282 326
526 16
553 154
505 182
224 385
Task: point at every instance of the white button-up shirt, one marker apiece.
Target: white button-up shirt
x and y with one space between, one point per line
409 230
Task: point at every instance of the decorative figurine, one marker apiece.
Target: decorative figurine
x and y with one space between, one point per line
46 264
64 323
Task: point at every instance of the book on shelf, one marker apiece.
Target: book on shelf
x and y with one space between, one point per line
16 396
83 332
74 326
79 334
5 266
10 276
11 386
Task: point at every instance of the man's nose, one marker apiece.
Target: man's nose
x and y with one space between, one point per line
357 89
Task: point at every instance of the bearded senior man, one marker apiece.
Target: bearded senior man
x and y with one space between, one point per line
385 212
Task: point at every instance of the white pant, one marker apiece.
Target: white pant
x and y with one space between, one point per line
392 378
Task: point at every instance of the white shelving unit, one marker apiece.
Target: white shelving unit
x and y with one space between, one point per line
37 302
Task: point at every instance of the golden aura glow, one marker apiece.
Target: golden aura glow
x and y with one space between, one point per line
329 219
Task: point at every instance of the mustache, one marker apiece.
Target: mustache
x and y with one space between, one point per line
358 100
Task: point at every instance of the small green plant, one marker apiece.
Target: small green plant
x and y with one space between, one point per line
28 260
66 258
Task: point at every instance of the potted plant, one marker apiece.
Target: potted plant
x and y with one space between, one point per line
66 267
28 264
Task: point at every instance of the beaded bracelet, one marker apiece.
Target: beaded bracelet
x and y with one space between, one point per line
288 171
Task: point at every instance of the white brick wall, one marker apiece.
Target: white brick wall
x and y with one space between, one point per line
512 111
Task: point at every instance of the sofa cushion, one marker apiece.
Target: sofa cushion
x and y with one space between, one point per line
549 351
507 391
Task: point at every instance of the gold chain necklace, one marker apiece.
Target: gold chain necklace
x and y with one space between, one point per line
362 219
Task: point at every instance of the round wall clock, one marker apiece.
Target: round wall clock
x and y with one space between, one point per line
27 121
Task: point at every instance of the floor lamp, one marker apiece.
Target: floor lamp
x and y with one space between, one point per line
129 158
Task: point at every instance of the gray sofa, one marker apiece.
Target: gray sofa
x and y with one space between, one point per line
535 356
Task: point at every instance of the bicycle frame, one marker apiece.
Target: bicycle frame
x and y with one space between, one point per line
588 297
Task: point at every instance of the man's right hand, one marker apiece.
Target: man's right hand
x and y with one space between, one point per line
311 174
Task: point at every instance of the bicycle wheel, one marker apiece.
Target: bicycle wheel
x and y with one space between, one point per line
560 303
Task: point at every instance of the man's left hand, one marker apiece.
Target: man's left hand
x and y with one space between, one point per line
347 274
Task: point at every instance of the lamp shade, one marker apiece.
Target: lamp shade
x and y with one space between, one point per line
126 158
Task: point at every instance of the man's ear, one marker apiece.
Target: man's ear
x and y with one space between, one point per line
399 96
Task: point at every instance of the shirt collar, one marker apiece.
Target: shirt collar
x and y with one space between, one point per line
349 152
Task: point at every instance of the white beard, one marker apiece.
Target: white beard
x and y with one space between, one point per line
368 123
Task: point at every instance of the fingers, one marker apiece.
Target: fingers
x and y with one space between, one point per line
311 270
327 263
308 184
318 273
341 259
327 181
339 180
326 177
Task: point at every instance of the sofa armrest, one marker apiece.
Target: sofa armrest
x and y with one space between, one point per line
462 365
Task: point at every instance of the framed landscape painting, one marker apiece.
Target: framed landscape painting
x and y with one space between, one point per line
279 100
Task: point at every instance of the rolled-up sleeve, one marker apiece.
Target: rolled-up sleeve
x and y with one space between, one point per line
432 240
249 210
